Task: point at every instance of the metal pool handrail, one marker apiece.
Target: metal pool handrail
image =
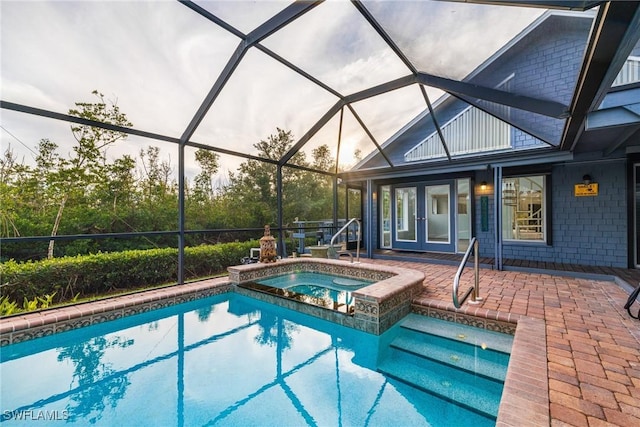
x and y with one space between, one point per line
475 289
352 220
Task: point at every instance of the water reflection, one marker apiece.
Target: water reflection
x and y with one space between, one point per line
275 332
337 300
247 355
97 386
204 313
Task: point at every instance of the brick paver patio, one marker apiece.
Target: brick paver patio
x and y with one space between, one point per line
593 345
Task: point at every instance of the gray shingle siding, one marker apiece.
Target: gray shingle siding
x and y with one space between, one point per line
542 68
535 62
586 230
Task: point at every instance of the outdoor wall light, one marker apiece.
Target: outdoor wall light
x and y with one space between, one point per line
483 185
586 179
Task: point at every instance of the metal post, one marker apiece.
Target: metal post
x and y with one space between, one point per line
476 272
335 179
181 195
335 205
497 210
281 244
368 219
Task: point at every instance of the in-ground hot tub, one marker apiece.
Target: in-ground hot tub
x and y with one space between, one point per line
376 307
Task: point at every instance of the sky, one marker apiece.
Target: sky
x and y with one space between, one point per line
159 59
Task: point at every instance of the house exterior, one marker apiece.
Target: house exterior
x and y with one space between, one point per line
503 175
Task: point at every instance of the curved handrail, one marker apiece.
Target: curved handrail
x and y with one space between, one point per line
475 289
352 220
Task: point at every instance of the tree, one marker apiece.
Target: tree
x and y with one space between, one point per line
251 196
156 180
252 191
86 193
9 173
203 184
322 158
158 207
86 167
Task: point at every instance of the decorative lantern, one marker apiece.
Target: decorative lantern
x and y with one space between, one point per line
267 246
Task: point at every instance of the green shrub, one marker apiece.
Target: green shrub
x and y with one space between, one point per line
7 307
87 275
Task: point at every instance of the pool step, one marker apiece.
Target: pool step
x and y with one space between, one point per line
461 356
442 328
477 394
464 365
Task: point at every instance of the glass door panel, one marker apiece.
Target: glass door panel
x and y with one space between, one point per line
354 210
405 210
437 218
463 214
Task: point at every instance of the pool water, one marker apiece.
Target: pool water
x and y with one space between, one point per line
304 281
231 360
318 289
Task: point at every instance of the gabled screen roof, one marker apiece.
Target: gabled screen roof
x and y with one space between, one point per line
225 75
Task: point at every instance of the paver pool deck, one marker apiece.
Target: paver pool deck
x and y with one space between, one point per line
592 344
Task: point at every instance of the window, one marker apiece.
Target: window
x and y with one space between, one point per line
524 208
385 196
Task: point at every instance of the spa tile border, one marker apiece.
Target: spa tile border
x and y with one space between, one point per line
376 307
251 272
525 397
376 312
18 328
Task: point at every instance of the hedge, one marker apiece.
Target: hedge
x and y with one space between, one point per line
104 273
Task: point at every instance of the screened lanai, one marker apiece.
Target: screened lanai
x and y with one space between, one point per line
341 76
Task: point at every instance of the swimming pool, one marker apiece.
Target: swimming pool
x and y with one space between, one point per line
223 360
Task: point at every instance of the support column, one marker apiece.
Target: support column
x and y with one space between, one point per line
497 215
282 251
368 219
181 194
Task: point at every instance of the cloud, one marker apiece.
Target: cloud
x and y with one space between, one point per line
244 15
334 43
450 39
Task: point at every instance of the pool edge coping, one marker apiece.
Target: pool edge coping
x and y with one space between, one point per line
36 324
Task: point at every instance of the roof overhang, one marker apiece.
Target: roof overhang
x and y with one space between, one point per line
488 161
546 4
615 32
616 124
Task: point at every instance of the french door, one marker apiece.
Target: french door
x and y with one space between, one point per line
424 217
